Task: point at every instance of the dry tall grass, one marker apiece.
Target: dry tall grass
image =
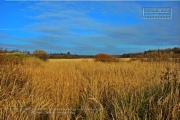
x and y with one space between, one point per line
80 90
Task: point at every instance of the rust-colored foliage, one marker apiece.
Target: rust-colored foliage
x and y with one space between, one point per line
104 58
2 59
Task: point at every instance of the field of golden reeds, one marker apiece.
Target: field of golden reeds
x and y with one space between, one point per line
87 90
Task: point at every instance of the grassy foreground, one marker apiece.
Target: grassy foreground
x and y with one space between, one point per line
37 90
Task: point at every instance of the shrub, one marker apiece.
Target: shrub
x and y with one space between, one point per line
176 58
41 54
2 59
104 58
12 59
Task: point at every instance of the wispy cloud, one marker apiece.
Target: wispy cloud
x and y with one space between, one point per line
92 27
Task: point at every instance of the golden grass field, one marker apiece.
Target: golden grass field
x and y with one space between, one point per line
84 60
81 89
71 60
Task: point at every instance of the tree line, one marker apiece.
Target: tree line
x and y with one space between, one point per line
150 55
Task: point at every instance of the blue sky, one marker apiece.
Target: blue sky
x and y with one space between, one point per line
87 27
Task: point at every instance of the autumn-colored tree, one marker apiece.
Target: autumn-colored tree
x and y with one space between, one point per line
41 54
104 58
